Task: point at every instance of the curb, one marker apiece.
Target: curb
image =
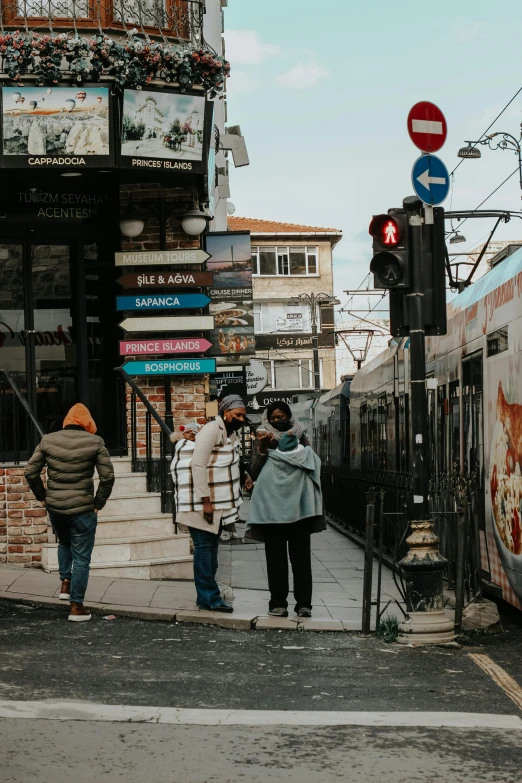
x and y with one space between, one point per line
239 622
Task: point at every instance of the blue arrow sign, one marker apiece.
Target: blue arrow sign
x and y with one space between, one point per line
171 367
430 179
162 302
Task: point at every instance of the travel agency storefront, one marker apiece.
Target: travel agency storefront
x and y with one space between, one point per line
104 209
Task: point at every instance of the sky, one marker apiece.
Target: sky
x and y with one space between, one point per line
322 92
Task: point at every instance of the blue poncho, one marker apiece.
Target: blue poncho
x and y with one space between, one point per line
288 489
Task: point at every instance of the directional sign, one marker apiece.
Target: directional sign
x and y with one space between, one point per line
148 347
427 126
171 367
430 179
160 257
168 323
166 280
162 302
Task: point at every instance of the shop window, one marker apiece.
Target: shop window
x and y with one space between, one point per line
287 375
290 374
284 261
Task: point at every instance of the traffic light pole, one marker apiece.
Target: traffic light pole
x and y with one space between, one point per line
423 565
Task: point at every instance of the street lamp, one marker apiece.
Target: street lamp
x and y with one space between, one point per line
313 301
456 238
507 142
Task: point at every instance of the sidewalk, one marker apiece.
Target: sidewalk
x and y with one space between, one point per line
337 565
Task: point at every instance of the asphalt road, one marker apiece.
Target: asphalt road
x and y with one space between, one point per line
130 662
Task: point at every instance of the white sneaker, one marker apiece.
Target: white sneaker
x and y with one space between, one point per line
64 590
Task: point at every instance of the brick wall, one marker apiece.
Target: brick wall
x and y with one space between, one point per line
188 405
25 520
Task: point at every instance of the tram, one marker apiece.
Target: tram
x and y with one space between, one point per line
474 391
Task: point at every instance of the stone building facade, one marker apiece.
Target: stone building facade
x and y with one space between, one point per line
290 260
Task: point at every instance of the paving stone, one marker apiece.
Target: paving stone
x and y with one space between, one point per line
319 624
8 576
266 622
35 583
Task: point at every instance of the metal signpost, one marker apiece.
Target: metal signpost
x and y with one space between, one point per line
162 302
171 367
152 347
166 280
169 323
426 622
160 257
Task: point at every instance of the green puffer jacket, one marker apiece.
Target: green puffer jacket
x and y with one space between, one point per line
71 456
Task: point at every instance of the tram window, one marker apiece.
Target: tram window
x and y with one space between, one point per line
381 433
497 341
364 436
441 428
403 433
472 399
432 430
454 413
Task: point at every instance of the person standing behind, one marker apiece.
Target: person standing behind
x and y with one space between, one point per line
71 456
209 497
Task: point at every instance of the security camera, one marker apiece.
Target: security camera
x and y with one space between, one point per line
233 141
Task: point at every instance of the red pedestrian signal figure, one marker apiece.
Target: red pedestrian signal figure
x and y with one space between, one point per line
391 233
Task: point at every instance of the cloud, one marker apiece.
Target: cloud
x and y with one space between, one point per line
244 47
302 76
468 33
240 82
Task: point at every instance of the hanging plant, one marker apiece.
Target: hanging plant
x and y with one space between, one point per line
17 51
209 71
142 61
51 50
172 59
106 56
77 55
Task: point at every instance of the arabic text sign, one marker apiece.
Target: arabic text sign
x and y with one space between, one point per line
166 280
168 323
171 367
162 302
147 347
160 257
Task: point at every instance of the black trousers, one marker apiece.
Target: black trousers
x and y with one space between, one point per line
297 539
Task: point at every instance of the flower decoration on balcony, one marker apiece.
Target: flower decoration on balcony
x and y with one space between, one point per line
17 51
133 63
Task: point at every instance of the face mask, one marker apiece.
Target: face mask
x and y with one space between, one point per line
282 426
234 424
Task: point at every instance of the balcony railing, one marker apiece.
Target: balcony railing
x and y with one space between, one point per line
172 19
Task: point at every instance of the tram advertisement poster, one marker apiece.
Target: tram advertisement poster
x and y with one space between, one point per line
163 131
56 127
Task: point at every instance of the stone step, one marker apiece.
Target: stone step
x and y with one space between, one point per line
178 568
129 526
124 551
127 484
140 503
122 465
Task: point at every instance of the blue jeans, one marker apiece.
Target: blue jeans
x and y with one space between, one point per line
76 540
205 566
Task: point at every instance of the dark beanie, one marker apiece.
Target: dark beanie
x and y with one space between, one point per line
288 442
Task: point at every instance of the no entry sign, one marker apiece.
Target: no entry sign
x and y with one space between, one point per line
427 126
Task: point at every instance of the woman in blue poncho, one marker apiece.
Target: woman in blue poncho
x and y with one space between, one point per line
286 507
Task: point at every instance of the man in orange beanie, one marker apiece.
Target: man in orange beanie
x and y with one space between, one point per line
70 456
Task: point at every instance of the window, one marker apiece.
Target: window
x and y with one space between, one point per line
66 9
497 341
284 261
289 373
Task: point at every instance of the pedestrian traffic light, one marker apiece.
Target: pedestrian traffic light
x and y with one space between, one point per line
390 262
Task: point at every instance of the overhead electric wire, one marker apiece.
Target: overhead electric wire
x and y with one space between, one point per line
488 128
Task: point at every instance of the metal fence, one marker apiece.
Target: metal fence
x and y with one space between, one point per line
455 508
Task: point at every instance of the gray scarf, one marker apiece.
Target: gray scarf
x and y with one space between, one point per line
296 428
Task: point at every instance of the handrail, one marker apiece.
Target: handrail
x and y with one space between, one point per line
23 402
136 389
